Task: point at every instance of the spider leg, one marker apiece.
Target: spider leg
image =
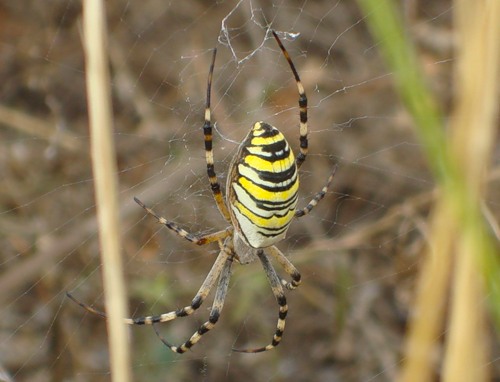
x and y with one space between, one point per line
193 238
200 297
320 195
287 266
279 294
220 296
88 308
301 157
209 154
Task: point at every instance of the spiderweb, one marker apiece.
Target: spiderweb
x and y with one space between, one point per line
358 251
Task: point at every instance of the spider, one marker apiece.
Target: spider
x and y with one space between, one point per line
262 188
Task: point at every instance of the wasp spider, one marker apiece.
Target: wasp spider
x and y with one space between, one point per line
260 204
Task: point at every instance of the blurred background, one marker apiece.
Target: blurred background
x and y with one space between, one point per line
358 252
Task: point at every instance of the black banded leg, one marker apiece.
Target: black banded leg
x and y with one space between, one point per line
218 304
279 294
320 195
196 239
287 266
209 155
202 294
301 157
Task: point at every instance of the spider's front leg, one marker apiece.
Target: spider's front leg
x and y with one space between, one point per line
220 296
287 266
279 294
200 297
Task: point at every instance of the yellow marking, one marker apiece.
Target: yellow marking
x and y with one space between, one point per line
258 150
273 222
244 199
252 174
264 141
257 128
261 164
268 196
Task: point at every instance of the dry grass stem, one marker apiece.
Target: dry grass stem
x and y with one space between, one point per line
106 185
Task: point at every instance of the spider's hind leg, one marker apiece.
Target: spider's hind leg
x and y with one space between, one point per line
317 198
209 154
301 157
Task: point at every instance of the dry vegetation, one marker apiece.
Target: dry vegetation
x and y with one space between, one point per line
358 253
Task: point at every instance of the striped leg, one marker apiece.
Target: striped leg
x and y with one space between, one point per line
220 296
287 266
301 157
209 155
320 195
202 294
196 239
279 293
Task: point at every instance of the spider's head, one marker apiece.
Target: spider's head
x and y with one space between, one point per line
243 252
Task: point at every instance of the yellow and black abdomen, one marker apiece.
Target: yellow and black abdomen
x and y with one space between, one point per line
262 186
